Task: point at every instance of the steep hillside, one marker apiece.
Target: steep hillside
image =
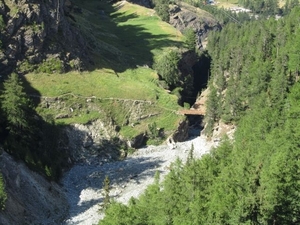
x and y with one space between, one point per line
31 198
120 86
34 32
100 113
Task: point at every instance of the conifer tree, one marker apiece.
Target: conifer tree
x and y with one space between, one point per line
190 39
167 67
190 157
18 112
106 184
212 110
15 104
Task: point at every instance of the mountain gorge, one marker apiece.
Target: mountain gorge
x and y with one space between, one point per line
85 96
254 178
86 84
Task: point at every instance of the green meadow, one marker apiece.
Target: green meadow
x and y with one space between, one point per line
124 39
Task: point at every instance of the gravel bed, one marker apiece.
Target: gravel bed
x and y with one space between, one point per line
129 178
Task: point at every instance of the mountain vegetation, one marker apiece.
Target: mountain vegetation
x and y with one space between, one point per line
27 136
253 179
162 9
133 57
39 99
241 74
271 7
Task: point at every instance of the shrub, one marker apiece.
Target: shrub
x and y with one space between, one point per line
162 9
52 65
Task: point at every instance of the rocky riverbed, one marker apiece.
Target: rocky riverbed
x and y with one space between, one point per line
129 178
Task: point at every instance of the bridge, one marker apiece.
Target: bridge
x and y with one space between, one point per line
199 112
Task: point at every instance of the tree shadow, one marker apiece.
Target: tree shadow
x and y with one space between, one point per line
118 40
120 173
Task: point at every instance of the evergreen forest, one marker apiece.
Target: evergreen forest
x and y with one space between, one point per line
254 178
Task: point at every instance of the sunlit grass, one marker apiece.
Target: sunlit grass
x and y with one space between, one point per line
125 41
233 3
104 83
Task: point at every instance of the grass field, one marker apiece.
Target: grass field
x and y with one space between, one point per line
227 3
124 38
233 3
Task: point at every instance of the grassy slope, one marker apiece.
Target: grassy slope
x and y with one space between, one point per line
227 3
234 3
125 38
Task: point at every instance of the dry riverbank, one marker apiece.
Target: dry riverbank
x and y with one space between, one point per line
129 178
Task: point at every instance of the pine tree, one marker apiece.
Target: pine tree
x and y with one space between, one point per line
18 112
15 104
212 110
190 39
190 157
106 184
167 67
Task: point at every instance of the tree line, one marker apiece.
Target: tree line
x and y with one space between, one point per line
269 7
261 8
257 58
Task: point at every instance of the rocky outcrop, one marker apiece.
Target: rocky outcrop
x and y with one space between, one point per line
34 31
185 16
182 132
93 142
31 198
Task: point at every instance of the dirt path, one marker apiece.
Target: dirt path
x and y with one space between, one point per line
83 183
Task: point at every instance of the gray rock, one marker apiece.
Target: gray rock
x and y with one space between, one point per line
183 17
88 142
61 116
37 31
182 132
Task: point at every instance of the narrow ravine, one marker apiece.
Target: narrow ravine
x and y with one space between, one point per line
83 183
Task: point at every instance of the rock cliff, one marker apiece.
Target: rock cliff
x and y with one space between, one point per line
34 32
184 16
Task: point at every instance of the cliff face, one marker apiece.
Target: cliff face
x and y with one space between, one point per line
35 31
185 16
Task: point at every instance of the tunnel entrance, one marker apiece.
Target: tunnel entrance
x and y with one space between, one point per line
196 125
201 73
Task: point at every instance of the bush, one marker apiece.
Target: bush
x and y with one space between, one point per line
162 9
53 65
